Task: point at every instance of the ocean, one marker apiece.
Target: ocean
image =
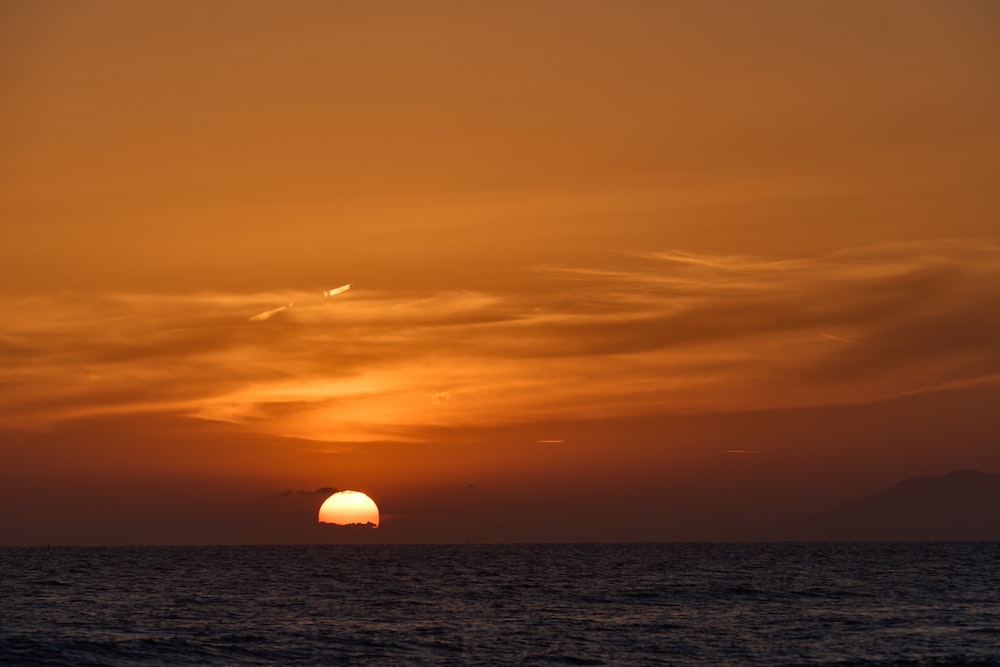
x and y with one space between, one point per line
523 604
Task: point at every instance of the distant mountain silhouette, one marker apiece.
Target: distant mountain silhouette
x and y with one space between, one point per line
962 505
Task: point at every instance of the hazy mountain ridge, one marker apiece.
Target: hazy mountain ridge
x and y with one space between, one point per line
961 505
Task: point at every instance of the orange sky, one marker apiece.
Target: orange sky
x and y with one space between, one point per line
619 270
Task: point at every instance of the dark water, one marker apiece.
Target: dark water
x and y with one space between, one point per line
585 604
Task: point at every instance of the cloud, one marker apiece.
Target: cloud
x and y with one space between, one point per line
336 290
644 334
268 314
349 527
839 339
322 491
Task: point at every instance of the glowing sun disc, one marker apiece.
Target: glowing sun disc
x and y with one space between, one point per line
349 508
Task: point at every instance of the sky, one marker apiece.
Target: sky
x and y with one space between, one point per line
618 270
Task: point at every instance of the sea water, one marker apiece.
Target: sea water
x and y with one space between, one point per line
542 604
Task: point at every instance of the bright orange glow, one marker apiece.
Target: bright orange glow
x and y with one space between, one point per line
349 508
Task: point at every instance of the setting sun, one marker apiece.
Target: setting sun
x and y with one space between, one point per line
349 508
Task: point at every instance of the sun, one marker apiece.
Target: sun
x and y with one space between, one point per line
349 508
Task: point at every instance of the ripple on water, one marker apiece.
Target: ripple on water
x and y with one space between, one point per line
683 604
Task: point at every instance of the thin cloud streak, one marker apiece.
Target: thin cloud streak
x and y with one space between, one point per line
336 290
268 314
839 339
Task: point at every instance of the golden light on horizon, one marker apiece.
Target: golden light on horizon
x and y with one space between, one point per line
349 508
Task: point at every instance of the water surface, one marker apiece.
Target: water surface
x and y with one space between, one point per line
570 604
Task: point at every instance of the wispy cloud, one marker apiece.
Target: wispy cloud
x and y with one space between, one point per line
322 491
645 334
268 314
336 290
839 339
